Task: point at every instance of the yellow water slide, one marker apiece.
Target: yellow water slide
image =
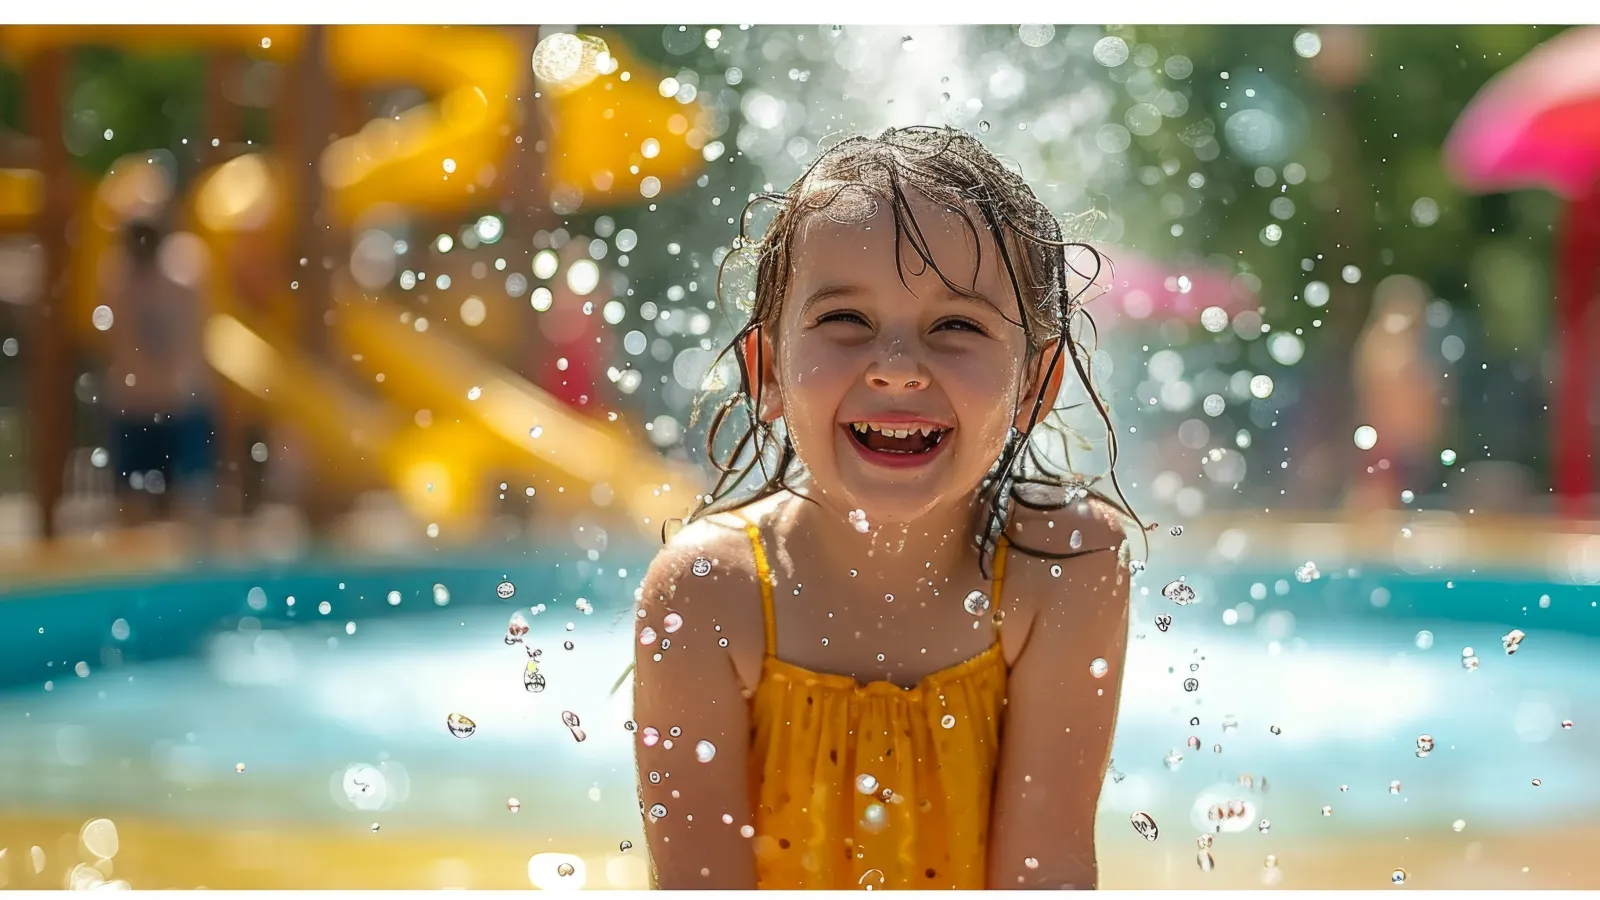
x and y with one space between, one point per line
438 158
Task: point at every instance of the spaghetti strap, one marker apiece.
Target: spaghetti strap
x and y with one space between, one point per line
1000 548
764 578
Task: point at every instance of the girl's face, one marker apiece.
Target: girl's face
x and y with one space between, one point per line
898 393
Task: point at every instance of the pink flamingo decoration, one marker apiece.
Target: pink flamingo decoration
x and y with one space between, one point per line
1537 124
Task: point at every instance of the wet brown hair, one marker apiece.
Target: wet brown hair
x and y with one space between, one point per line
850 182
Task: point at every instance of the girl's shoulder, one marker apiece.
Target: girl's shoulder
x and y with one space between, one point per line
706 574
1058 519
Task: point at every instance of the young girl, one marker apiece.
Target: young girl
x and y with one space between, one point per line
897 663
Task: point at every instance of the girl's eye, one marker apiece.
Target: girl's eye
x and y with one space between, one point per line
960 325
843 315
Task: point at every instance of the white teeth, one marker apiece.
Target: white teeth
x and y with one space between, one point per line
895 431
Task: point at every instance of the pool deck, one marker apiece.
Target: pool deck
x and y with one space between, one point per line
1416 540
171 855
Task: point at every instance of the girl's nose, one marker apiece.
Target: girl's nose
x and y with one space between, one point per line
897 373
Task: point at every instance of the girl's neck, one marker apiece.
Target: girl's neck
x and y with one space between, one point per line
934 546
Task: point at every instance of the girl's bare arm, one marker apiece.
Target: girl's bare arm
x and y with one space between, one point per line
1060 717
686 688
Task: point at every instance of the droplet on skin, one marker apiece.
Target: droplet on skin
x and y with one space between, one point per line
1098 667
747 831
1076 540
671 622
866 784
650 736
976 603
701 567
1031 862
858 521
705 751
658 811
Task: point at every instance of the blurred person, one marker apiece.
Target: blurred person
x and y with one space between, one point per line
159 387
1398 392
911 326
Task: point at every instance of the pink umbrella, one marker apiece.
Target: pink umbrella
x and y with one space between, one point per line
1537 124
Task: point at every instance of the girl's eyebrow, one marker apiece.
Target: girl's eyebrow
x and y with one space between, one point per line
829 292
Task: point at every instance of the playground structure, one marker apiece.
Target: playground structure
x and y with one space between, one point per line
1537 125
284 349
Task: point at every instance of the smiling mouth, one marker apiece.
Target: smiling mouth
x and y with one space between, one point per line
901 440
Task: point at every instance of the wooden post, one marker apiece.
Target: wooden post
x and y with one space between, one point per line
50 397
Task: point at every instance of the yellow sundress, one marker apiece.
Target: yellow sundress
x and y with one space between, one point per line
873 785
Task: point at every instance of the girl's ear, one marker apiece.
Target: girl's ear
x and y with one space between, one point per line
1052 386
757 353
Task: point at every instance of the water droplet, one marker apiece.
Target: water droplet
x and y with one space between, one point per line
1173 759
460 726
866 784
1191 684
1177 531
1275 729
505 590
1031 862
658 811
1098 667
1204 842
1145 825
647 636
567 645
1327 811
1055 571
674 731
1307 573
570 719
441 595
701 567
671 622
1448 457
514 804
1512 640
1193 742
858 521
532 681
948 721
984 127
1179 592
625 846
1265 827
1537 783
1458 825
1469 661
1394 787
375 827
1204 860
705 751
565 870
1566 724
516 629
976 603
1075 541
1424 640
1424 744
875 818
1398 876
239 767
99 837
650 736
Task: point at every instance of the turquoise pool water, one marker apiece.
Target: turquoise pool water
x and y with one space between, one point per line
339 716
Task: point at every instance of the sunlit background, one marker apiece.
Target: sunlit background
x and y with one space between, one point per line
444 299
